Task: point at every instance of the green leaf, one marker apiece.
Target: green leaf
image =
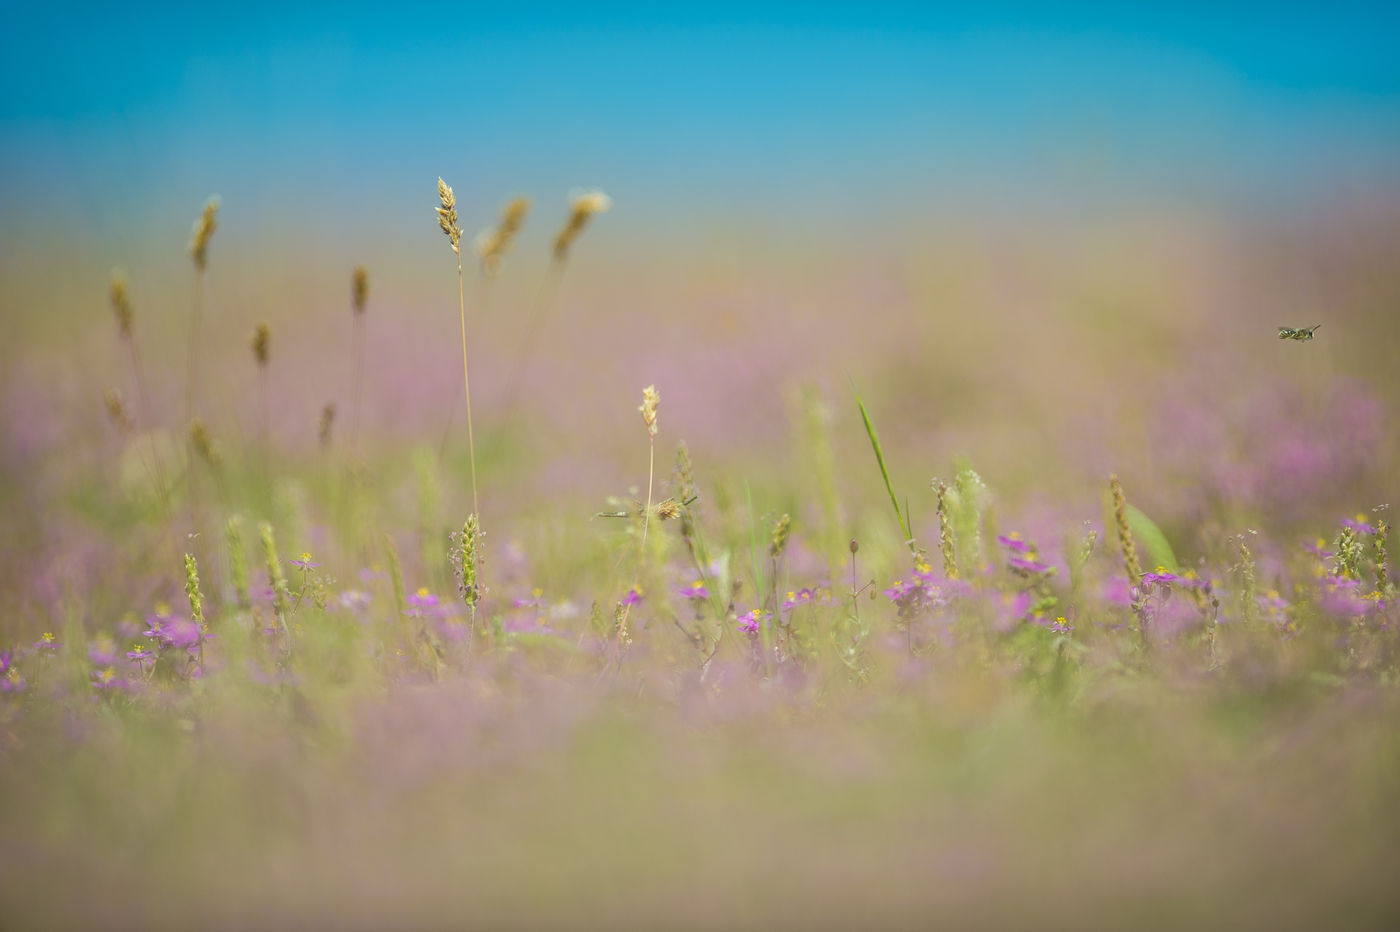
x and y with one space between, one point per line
1157 550
884 472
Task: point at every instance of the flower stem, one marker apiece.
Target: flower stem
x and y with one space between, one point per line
466 383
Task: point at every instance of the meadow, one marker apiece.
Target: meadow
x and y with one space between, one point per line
1010 573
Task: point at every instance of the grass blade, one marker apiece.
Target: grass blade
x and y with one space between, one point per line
884 471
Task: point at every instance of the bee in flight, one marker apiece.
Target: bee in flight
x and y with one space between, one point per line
1297 333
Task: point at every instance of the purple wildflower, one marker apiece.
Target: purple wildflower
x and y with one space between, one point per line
1011 609
1319 549
47 642
420 600
1164 579
535 600
180 633
139 653
900 590
749 622
1359 524
1341 596
6 658
633 596
108 679
696 591
157 622
304 563
804 596
1029 564
1014 543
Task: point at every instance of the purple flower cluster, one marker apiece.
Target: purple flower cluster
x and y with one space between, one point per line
807 596
1022 556
173 632
751 621
696 591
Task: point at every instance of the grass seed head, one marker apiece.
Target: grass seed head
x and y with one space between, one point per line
116 409
262 341
359 288
493 244
466 557
582 206
203 443
447 215
193 591
1125 533
273 563
121 304
327 423
204 229
651 400
946 544
782 529
237 564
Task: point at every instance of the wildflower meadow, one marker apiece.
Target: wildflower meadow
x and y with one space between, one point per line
453 527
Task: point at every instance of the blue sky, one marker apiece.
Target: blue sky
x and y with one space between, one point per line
708 107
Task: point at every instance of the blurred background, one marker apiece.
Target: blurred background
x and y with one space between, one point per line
1055 241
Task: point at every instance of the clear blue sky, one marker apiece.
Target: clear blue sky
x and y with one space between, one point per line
123 108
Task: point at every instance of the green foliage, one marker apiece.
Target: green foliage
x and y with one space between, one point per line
885 473
1154 542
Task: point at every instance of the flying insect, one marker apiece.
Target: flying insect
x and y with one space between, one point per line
1297 333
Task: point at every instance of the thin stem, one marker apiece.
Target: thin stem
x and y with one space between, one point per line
481 299
358 381
646 515
263 428
466 383
192 356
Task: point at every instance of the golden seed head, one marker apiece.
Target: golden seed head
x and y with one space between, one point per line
121 304
592 201
582 205
359 288
447 216
204 229
192 589
668 509
203 443
781 530
514 215
327 422
651 400
116 409
262 338
492 244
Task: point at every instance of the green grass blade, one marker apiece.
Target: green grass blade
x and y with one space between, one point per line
884 472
